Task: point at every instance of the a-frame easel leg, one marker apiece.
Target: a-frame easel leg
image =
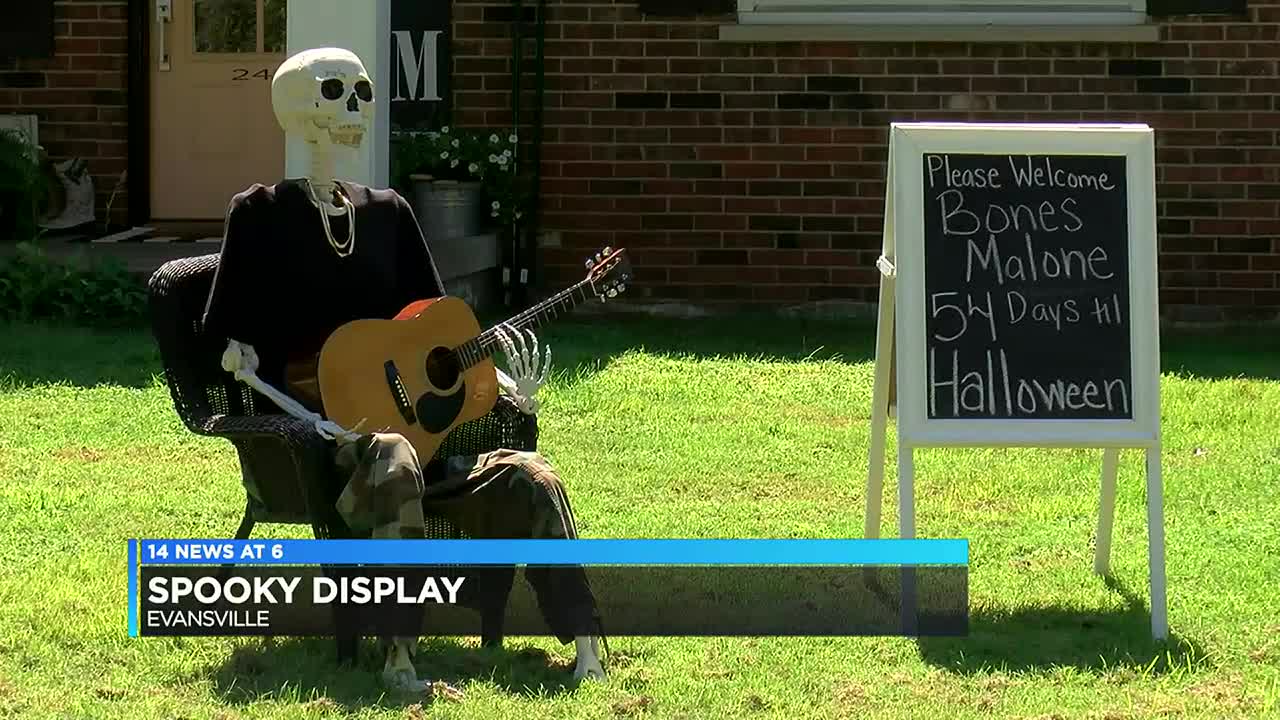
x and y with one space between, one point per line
907 530
880 408
1106 511
1155 545
1155 532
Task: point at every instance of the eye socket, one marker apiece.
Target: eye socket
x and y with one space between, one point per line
364 91
332 89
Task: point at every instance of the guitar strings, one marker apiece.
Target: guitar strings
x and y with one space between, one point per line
528 317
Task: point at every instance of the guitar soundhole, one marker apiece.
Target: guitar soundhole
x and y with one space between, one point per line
442 368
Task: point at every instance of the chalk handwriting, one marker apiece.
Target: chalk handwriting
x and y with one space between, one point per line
1026 256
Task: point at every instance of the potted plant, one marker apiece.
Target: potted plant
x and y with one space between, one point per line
459 182
449 175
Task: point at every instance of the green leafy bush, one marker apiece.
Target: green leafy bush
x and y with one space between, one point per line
23 188
35 287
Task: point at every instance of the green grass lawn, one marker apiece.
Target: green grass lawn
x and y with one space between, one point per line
707 428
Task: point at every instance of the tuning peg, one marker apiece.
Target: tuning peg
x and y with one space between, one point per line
612 293
608 250
622 287
590 263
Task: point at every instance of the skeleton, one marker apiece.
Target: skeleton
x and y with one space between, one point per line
325 97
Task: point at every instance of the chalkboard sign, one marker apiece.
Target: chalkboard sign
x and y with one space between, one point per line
1026 267
1024 280
1018 306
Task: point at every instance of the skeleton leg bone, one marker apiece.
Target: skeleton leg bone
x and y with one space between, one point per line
588 666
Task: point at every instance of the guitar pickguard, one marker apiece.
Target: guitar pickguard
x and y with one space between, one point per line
437 412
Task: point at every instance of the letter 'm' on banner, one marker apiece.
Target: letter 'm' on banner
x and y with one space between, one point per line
416 70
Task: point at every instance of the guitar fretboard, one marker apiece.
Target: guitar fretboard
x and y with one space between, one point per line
486 343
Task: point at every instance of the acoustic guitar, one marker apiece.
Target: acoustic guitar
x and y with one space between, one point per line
429 369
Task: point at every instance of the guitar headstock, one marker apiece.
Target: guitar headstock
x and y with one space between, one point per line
609 272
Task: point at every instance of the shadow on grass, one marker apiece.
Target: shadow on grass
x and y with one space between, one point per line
1225 354
264 669
585 345
43 354
1043 638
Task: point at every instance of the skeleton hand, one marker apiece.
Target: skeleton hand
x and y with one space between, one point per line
527 373
330 430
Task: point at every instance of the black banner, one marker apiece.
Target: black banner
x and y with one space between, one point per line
27 30
708 601
1027 287
421 63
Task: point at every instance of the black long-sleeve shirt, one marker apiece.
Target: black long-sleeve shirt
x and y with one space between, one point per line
282 288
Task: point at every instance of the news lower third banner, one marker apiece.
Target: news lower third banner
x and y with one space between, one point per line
641 587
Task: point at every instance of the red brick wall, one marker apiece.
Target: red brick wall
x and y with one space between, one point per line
755 171
79 93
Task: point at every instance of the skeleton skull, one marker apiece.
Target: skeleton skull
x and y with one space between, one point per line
324 95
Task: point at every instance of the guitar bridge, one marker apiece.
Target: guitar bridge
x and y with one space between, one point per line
399 393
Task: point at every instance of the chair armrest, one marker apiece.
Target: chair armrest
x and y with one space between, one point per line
522 429
287 467
285 427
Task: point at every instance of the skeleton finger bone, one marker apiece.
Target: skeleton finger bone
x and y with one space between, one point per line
546 368
508 349
523 352
517 356
534 358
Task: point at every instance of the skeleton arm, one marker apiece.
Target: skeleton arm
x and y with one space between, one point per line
242 361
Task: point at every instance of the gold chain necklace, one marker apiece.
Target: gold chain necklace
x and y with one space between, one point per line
343 249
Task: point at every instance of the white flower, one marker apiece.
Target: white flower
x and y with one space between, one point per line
493 214
455 142
445 155
502 161
506 153
472 167
495 205
493 138
517 214
453 162
493 158
512 139
445 129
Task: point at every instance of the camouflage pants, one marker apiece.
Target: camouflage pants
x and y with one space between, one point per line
501 494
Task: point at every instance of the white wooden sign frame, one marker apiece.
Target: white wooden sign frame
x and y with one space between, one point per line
901 346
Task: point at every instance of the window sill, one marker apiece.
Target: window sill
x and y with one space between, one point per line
940 33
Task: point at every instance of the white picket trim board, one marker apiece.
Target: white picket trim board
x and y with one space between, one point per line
901 346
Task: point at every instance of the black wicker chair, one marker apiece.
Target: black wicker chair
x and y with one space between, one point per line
287 468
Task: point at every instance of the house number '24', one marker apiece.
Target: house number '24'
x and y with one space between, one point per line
243 74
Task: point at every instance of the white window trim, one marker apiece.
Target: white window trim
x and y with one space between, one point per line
942 12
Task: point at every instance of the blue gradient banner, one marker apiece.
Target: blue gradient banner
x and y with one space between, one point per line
879 552
133 588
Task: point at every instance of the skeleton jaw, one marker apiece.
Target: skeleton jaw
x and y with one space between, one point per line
349 135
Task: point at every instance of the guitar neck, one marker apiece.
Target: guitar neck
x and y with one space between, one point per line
486 344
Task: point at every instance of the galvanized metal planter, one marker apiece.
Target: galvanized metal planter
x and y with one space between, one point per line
446 208
451 215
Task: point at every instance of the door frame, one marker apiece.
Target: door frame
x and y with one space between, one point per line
141 19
